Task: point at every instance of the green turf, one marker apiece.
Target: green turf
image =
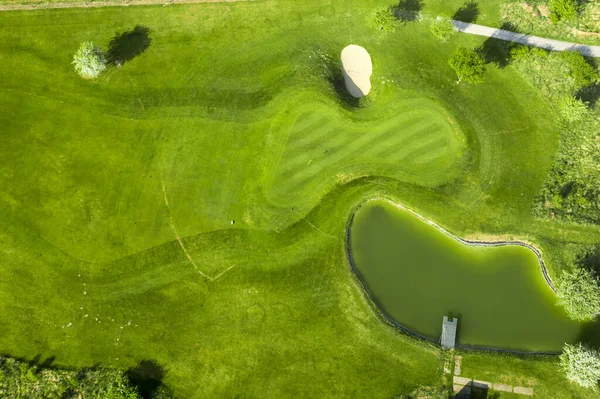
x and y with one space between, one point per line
324 148
99 178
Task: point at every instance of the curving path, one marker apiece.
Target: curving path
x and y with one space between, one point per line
535 41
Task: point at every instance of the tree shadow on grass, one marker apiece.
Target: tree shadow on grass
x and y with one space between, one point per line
590 259
589 94
148 377
37 361
590 332
496 51
408 10
468 12
125 46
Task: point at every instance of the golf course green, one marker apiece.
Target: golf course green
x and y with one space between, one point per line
189 207
411 146
417 274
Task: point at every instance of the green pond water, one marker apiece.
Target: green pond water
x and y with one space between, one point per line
416 275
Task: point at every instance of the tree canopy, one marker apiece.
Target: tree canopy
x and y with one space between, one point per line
383 19
562 9
579 293
89 60
468 65
442 28
582 72
581 364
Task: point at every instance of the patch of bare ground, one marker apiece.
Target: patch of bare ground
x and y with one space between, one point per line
530 9
583 33
544 11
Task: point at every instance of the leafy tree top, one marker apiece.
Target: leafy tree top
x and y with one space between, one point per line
89 60
582 72
562 9
579 293
468 65
442 28
581 365
383 19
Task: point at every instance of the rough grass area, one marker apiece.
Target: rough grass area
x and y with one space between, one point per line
146 215
534 19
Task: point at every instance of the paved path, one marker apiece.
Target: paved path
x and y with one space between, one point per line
535 41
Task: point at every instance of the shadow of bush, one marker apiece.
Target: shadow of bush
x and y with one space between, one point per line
589 94
496 51
125 46
408 10
148 377
468 12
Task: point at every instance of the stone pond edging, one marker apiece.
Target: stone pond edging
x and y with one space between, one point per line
474 243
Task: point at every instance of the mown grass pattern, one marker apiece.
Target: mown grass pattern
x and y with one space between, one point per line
419 144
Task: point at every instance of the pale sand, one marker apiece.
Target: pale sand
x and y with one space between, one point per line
357 68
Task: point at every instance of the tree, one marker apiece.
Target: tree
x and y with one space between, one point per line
442 28
383 19
579 293
581 71
89 60
562 9
581 364
468 65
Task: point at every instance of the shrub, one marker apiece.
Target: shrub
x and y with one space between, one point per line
23 380
519 52
383 19
581 365
89 60
468 65
562 9
442 28
581 71
572 109
579 293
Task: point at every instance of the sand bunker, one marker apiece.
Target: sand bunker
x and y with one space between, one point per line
357 68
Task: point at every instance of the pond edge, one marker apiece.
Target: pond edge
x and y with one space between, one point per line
474 243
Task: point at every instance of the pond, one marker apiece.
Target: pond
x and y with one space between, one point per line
416 274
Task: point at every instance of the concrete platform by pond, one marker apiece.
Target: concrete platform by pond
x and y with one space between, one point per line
461 381
449 326
523 391
503 387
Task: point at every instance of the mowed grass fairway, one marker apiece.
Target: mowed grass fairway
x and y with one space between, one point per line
324 148
117 195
